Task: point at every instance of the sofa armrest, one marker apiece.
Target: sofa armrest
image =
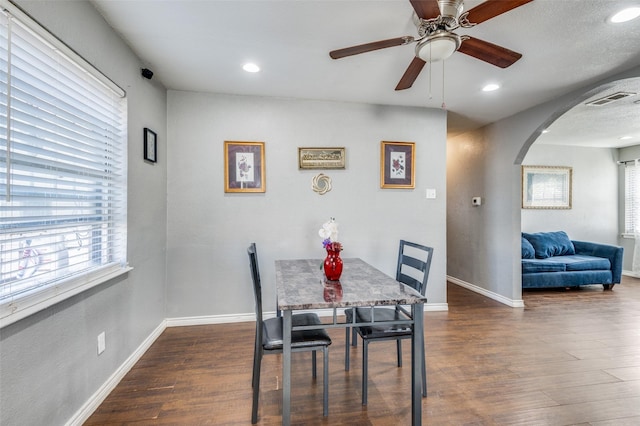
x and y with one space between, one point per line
613 253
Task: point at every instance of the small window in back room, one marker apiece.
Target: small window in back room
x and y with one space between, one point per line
631 198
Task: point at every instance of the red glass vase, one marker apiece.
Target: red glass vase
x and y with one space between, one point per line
333 265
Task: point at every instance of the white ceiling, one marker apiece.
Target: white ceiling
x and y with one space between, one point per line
201 46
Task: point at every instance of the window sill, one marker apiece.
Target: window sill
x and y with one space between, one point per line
22 306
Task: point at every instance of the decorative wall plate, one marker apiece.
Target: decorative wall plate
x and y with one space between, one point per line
321 184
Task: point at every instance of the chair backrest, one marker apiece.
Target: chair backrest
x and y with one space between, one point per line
414 262
257 286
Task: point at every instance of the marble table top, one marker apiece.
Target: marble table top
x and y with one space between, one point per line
301 284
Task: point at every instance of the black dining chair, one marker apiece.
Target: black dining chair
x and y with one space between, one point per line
269 339
414 262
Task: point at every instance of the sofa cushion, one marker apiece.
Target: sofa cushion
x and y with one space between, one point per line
584 263
528 252
530 266
548 244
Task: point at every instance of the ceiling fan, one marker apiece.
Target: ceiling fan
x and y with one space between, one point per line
436 20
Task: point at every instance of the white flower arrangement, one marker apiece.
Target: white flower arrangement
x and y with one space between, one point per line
329 235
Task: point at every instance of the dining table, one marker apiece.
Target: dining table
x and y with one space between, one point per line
301 285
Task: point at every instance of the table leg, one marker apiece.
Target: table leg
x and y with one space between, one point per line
417 346
286 368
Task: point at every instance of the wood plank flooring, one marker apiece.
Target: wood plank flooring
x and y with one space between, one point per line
569 358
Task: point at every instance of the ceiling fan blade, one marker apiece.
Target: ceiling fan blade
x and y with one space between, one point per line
426 9
492 8
411 74
489 52
368 47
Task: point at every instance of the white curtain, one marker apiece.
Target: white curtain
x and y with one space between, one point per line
636 221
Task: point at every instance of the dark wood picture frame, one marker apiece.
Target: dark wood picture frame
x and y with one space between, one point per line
150 145
397 165
244 167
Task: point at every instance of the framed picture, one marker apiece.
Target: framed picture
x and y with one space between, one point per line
397 165
321 158
244 167
546 187
150 145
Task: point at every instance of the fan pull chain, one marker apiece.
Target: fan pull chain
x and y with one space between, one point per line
444 106
430 93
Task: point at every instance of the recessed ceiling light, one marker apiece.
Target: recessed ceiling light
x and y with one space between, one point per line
250 67
490 87
624 138
625 15
545 131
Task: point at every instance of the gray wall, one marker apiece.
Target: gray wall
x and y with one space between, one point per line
49 365
484 243
209 231
594 212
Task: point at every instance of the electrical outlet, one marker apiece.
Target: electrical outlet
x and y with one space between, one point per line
102 344
431 193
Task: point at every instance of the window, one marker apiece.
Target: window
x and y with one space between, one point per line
62 171
631 198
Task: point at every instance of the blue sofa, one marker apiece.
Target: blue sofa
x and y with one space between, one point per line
551 259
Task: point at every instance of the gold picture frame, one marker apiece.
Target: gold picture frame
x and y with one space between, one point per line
244 169
546 187
321 158
397 165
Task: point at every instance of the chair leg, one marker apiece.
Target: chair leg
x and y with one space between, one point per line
365 370
424 375
255 367
325 381
256 385
314 370
354 337
346 349
399 345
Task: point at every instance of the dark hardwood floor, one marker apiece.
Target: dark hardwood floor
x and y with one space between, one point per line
569 358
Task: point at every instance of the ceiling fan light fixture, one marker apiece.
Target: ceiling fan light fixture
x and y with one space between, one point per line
437 46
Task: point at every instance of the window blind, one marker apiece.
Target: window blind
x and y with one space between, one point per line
62 170
631 198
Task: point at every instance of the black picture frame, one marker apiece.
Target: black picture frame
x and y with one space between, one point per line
150 145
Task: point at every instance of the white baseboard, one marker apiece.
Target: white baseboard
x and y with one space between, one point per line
630 274
101 394
491 295
210 319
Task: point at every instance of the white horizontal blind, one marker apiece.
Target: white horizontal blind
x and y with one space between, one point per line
631 198
62 167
